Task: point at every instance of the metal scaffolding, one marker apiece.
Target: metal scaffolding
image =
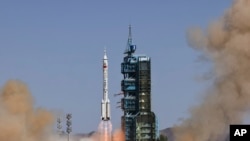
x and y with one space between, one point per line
138 122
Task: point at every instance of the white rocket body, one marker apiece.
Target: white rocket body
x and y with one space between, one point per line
105 101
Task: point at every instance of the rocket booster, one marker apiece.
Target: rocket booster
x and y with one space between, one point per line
105 108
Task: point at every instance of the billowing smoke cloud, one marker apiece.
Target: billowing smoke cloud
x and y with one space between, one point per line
19 120
118 135
226 43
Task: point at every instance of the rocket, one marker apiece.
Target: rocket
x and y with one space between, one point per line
105 106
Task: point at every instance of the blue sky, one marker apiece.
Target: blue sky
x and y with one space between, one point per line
56 48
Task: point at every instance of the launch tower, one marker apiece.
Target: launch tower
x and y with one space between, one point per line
138 122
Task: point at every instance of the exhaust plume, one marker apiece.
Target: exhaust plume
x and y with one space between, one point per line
226 43
118 135
19 120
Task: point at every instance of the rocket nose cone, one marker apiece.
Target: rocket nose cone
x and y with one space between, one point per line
105 57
